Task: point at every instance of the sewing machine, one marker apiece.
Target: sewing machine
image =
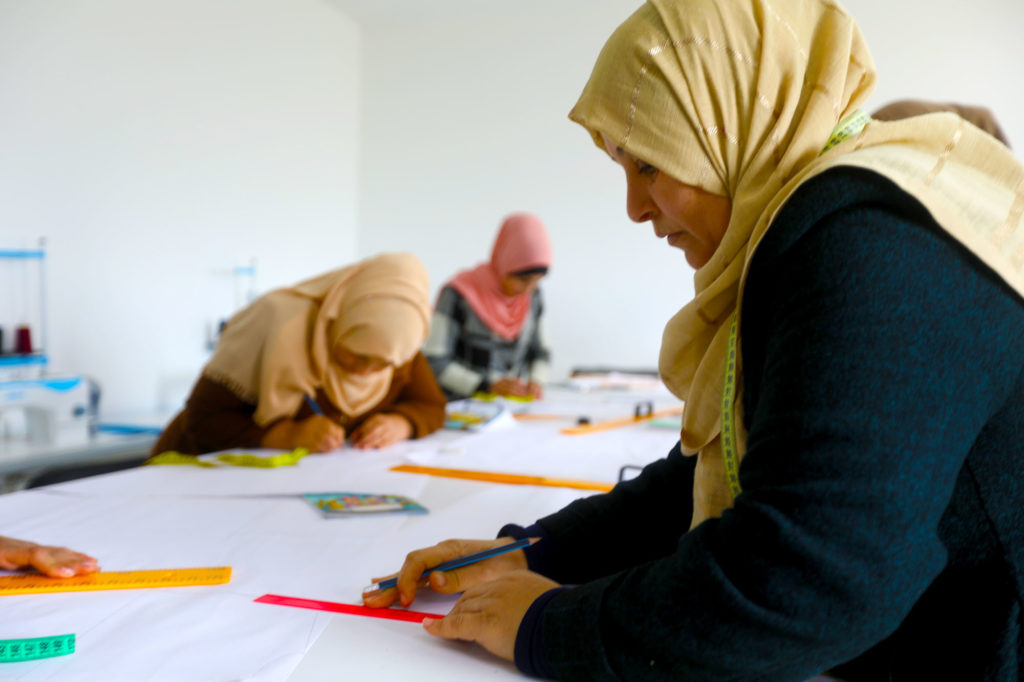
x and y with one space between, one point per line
37 410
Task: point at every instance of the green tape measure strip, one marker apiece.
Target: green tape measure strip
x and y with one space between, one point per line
233 459
847 128
731 459
177 459
285 459
851 126
14 650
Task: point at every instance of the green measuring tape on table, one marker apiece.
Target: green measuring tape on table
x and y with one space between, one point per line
33 648
243 459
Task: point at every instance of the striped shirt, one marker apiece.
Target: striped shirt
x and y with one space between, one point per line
468 356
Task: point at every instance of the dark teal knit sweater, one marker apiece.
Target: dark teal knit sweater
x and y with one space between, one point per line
880 532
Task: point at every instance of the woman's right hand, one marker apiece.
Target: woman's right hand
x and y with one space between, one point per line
446 582
316 434
512 386
56 562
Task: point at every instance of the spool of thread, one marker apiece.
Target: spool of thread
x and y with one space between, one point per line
23 340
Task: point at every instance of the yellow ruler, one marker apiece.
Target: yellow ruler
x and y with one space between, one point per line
494 477
619 423
491 397
34 583
532 417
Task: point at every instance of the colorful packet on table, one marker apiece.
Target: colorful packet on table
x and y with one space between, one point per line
333 505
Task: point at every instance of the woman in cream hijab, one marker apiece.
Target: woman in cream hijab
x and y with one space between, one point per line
306 366
847 494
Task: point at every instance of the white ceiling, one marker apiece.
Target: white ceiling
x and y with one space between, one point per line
371 12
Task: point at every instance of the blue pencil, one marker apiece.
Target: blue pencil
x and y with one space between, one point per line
456 563
313 406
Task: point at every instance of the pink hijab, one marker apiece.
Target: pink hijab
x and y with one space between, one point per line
522 244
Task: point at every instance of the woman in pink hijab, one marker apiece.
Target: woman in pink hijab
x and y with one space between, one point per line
486 332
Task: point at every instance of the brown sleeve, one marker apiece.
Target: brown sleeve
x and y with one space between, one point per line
416 396
214 419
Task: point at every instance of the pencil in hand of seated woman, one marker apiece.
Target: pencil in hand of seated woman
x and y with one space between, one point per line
306 366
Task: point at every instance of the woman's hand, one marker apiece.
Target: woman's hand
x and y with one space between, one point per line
509 386
381 430
534 389
56 562
316 434
446 582
490 613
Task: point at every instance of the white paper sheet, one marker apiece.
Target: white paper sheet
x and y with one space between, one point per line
172 634
539 449
353 647
254 521
274 545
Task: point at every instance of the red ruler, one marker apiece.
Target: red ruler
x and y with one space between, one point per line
350 609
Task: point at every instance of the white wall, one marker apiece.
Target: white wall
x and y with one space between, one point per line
464 120
157 145
949 51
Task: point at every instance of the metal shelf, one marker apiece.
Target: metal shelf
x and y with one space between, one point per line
29 254
37 359
23 360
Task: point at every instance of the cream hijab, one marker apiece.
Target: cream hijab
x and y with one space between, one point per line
739 98
279 349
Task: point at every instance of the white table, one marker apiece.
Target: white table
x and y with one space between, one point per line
254 521
21 460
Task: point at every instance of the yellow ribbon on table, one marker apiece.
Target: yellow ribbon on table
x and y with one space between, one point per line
241 459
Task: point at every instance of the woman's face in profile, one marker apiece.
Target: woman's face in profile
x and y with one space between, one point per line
516 285
688 217
356 363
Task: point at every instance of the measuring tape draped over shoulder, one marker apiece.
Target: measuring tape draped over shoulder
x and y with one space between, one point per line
729 455
849 127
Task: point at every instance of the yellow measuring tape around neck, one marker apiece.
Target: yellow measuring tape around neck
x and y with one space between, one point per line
847 128
34 583
851 126
729 454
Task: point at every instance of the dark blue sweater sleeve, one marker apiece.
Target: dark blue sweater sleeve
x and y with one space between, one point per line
639 519
875 351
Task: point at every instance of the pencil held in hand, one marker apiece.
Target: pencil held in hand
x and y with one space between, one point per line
456 563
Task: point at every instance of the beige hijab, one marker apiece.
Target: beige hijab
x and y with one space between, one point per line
279 349
979 116
739 98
